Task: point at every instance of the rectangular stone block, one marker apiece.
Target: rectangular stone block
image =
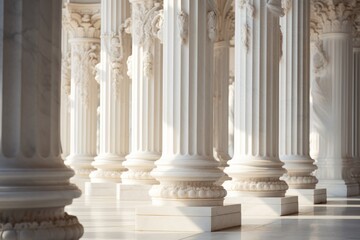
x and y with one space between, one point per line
265 206
128 192
309 196
187 219
338 188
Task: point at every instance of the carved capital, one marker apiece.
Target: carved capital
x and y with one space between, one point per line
85 56
331 16
66 73
83 20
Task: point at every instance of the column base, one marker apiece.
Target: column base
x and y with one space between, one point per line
309 196
130 192
339 188
190 219
94 189
265 206
67 227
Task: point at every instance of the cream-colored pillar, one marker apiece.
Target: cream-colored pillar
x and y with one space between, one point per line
34 182
356 50
255 168
226 20
84 23
114 92
295 103
65 105
146 72
187 170
333 96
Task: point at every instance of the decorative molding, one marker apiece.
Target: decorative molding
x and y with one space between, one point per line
275 6
129 66
188 190
257 184
245 4
183 24
333 16
212 27
83 20
85 56
142 175
299 180
103 174
39 224
66 73
286 5
245 36
320 59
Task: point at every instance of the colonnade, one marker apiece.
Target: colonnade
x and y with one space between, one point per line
158 71
281 54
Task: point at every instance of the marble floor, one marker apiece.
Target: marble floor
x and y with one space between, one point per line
105 218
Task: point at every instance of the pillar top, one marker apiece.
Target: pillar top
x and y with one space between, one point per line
333 16
83 20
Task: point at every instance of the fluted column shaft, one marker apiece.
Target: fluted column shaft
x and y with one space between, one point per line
34 182
225 20
114 92
255 168
332 91
146 63
187 169
294 96
84 22
65 88
356 172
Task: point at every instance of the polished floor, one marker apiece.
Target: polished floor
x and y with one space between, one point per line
105 218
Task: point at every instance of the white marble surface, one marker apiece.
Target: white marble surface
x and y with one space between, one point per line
106 218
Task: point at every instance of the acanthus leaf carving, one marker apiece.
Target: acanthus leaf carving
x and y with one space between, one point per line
333 16
183 24
146 27
85 57
320 60
83 21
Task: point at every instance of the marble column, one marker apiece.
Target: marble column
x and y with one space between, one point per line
333 96
84 23
231 96
34 181
225 17
255 168
146 72
114 92
187 170
294 96
356 50
65 88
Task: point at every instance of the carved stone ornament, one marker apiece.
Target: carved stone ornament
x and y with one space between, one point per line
212 25
320 61
245 36
66 73
356 31
188 190
245 4
85 57
333 16
146 27
83 20
286 5
183 24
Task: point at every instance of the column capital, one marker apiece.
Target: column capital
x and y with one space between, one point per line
221 21
332 16
83 20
